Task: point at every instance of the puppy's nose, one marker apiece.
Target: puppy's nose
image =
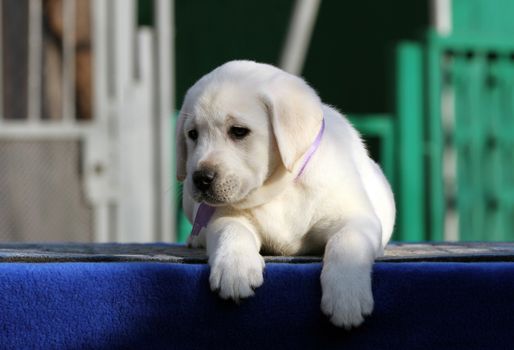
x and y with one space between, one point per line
203 179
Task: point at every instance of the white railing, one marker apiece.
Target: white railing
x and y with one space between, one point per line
127 145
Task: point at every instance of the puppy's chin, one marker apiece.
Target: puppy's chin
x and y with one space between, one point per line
209 199
215 200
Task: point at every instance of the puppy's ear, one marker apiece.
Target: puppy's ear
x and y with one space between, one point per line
295 113
181 148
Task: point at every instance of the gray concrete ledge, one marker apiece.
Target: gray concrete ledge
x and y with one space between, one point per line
174 253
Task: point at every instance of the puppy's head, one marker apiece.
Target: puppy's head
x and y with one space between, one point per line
238 126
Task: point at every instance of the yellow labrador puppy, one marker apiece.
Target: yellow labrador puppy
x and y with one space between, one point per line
278 171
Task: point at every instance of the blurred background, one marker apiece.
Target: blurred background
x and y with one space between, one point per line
89 91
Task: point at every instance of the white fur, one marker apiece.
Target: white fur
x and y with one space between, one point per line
342 204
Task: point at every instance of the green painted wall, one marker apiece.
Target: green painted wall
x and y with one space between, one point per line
210 33
350 55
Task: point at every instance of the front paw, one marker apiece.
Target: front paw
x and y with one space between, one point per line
235 275
347 295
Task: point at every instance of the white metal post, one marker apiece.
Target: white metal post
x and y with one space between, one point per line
299 35
123 17
134 117
136 136
441 12
101 186
442 16
165 184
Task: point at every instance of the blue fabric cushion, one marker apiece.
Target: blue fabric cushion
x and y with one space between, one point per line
134 305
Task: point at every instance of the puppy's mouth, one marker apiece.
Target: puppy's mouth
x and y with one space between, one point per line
222 192
208 198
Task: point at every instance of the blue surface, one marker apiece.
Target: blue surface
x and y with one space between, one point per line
170 306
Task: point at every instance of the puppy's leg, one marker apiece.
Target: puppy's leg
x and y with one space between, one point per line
236 265
346 273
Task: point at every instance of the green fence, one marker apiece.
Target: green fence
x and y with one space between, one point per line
472 124
450 150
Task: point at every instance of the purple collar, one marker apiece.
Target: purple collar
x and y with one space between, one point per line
205 211
312 149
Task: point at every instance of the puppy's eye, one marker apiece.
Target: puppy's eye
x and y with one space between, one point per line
192 134
238 132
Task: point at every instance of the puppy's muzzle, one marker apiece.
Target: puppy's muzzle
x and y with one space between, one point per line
203 179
